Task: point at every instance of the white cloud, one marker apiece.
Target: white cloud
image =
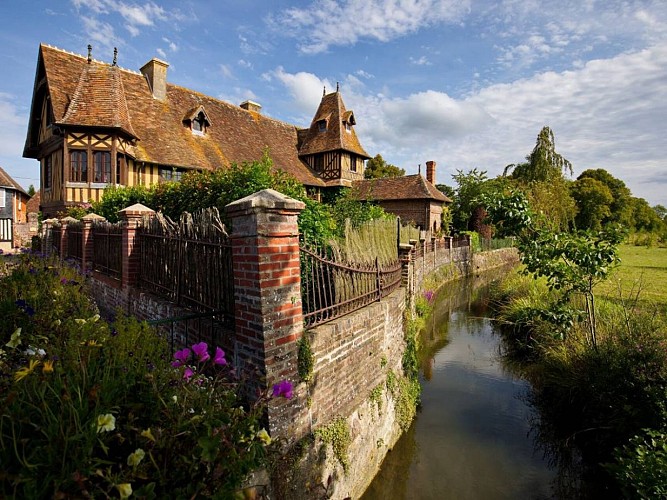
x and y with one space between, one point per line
172 46
244 64
604 115
320 25
422 61
306 89
12 127
101 35
364 74
161 53
135 17
226 71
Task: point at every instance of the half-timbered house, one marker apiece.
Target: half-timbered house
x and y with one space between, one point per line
13 201
94 124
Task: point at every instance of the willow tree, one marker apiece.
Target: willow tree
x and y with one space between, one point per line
542 178
543 163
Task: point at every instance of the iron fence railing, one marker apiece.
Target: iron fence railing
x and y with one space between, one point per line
188 263
75 241
53 239
330 289
107 255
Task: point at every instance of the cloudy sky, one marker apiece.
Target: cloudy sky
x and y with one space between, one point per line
467 83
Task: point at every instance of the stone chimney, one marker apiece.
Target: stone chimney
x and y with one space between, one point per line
251 106
155 72
430 172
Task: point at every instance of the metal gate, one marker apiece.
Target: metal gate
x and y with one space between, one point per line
6 230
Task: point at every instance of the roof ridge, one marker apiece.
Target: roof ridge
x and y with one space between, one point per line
227 103
64 51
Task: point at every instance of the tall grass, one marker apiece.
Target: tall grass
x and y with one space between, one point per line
593 398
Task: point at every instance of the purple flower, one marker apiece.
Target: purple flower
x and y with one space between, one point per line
283 388
63 281
181 357
219 358
201 350
188 373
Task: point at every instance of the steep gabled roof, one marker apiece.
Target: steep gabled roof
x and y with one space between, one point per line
236 135
332 111
99 99
409 187
7 182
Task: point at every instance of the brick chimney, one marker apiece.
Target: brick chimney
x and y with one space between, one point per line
155 72
430 172
251 106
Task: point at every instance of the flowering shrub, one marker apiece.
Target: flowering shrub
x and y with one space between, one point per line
91 409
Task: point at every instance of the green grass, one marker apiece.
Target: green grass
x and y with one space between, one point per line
642 270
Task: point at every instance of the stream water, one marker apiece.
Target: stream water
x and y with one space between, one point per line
472 436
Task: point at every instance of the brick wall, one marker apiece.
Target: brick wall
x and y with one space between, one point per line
349 353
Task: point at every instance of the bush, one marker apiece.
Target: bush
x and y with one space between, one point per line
641 465
91 409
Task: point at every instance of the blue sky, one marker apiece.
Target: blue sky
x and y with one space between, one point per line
463 82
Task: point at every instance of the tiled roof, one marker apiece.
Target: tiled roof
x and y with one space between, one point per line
7 182
409 187
80 92
99 99
33 203
333 112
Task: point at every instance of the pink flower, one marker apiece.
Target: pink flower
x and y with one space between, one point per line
283 388
181 357
188 373
201 350
219 358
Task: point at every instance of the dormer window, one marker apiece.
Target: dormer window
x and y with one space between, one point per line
348 127
197 120
322 125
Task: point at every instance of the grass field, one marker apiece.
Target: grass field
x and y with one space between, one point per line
643 269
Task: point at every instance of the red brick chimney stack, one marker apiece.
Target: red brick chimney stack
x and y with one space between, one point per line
430 172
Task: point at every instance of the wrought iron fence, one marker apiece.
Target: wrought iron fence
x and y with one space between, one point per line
75 241
107 249
189 263
496 243
331 289
53 239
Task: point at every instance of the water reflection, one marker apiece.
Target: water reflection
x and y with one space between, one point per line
471 438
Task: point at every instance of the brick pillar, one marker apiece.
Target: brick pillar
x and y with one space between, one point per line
405 256
65 222
87 241
131 219
267 294
47 236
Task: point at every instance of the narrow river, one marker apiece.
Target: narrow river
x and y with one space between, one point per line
472 437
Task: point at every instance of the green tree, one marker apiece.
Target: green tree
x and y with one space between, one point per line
543 163
470 187
593 200
661 212
31 190
620 208
644 217
378 168
572 263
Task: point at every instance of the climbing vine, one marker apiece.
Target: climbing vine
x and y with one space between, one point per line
337 434
306 360
376 397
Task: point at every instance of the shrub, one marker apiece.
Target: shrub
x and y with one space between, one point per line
91 409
